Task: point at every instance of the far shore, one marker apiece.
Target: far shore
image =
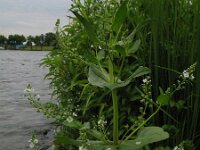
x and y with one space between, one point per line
34 48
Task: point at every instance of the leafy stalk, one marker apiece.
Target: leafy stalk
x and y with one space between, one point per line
115 117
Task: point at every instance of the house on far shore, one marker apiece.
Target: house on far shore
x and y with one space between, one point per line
20 46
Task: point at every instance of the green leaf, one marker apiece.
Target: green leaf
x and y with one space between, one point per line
98 135
120 16
73 124
163 99
62 139
134 47
101 55
146 136
101 79
88 26
140 71
99 145
98 77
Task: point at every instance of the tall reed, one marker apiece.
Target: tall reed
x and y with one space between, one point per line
171 43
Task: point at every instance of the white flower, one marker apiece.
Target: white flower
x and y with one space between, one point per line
144 80
37 96
82 148
30 140
69 119
138 143
35 141
176 148
101 122
109 149
29 91
192 77
186 74
74 114
31 145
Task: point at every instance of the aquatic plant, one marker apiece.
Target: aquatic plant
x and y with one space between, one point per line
105 97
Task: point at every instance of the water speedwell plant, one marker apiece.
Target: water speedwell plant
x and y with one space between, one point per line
104 101
101 65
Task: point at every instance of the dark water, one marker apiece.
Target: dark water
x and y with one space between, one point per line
17 117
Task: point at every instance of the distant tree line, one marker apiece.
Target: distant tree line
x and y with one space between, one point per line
12 41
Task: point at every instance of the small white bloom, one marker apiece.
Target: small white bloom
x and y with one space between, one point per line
29 91
186 74
109 148
192 77
74 114
37 96
176 148
35 141
82 148
30 140
69 119
144 80
101 122
138 143
31 145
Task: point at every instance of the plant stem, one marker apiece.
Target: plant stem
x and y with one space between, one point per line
131 134
115 117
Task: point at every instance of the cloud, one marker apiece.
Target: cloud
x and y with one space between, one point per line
31 17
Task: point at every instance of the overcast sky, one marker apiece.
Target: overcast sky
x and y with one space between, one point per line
31 17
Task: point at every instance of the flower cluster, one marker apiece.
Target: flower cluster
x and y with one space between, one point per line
189 73
101 122
178 148
82 148
146 91
56 111
187 76
33 142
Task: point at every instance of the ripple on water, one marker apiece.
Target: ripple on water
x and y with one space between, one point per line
17 117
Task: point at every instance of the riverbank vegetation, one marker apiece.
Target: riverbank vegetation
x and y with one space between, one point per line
20 42
124 68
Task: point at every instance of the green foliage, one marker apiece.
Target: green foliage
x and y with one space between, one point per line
86 66
50 39
16 39
3 39
97 73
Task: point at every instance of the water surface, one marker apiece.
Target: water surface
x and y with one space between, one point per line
17 117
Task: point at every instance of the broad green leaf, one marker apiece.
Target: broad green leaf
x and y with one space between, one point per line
62 139
120 50
99 145
146 136
101 79
163 99
98 77
120 16
101 55
134 47
88 26
73 124
98 135
140 71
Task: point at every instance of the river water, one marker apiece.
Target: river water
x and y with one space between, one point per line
18 119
